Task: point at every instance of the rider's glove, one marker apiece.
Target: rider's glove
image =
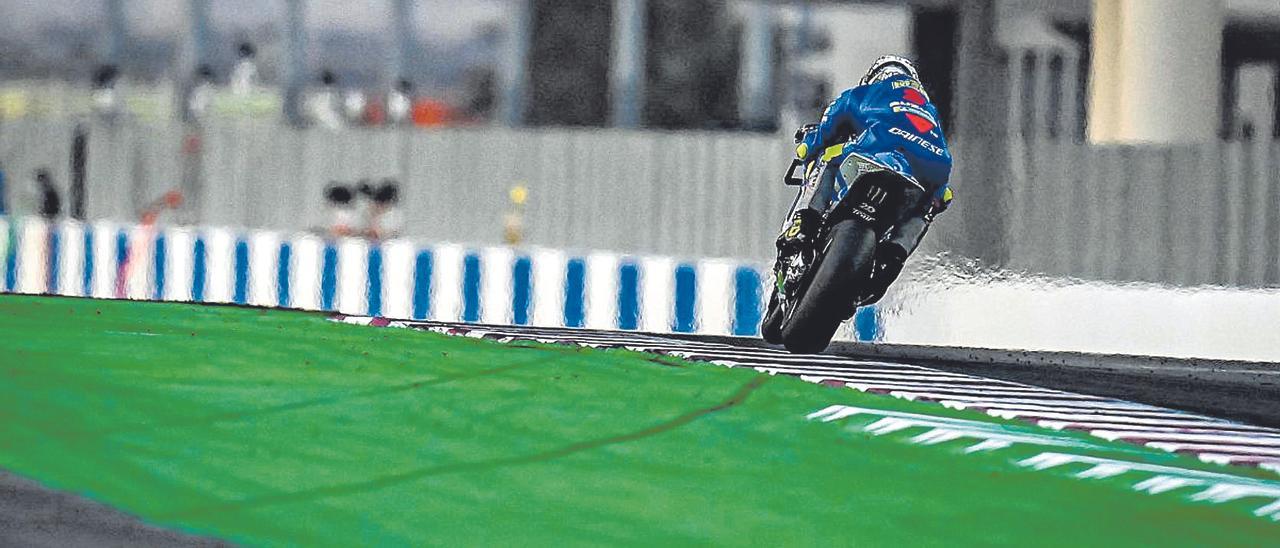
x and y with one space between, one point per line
801 138
941 201
804 131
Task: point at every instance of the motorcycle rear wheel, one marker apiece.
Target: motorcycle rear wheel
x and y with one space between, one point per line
833 292
771 327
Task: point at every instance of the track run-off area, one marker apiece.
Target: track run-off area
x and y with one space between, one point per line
1209 439
273 427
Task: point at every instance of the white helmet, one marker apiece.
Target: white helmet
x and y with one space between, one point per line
887 66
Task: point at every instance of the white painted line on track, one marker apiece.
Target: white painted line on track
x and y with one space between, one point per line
1209 439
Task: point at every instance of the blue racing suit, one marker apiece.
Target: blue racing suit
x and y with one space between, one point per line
893 122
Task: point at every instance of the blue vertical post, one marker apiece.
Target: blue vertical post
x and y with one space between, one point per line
159 260
422 285
746 302
628 296
374 280
575 293
199 269
11 258
87 288
521 290
122 261
242 272
55 250
328 277
282 274
471 288
686 299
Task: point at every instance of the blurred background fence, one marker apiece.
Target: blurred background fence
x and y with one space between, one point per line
1114 140
1185 214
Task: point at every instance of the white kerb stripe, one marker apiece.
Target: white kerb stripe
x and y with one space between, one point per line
446 283
397 279
715 296
179 261
71 259
104 259
4 247
495 285
32 257
219 265
548 274
304 272
140 283
657 293
602 291
264 255
353 277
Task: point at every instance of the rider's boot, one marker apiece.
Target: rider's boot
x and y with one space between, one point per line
888 265
799 233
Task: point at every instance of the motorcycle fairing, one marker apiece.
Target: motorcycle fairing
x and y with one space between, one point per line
855 165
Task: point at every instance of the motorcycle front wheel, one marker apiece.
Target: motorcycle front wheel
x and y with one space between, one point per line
832 293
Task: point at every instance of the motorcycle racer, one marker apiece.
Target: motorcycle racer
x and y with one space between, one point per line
887 117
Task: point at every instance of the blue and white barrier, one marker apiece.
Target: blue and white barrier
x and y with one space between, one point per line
550 287
397 278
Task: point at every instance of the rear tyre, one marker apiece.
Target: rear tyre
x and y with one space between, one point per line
834 289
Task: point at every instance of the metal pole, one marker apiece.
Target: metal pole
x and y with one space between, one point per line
755 108
406 38
201 32
79 154
515 71
117 33
982 129
627 73
296 64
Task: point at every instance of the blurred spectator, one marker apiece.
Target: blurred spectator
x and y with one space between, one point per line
400 102
244 76
106 103
322 105
200 95
365 188
50 203
168 201
342 211
353 105
384 218
513 221
480 87
432 113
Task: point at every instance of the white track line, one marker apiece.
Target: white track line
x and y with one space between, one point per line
1210 439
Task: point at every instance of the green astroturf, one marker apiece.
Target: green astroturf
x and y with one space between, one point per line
276 428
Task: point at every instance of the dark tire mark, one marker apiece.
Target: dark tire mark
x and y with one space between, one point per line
462 467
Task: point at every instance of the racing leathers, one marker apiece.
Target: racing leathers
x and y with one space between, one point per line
892 122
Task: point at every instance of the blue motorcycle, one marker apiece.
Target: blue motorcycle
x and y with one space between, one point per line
817 288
